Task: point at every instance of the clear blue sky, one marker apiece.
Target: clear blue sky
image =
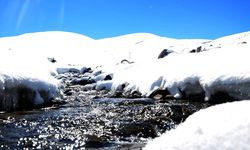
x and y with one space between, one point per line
107 18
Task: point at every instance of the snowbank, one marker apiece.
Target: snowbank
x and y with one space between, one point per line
25 81
224 126
222 70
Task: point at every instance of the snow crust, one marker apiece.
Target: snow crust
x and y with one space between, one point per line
224 126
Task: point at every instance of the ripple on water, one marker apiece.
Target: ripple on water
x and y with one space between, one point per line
92 123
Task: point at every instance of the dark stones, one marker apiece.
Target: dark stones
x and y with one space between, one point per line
197 50
68 92
133 94
52 59
164 53
74 70
161 94
82 81
221 97
108 77
141 129
85 70
94 141
193 91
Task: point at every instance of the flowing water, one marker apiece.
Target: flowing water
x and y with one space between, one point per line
89 121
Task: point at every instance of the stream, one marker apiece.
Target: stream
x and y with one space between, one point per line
93 120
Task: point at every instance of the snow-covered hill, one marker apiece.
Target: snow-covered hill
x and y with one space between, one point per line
71 48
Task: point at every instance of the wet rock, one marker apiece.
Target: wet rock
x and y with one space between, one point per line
116 94
94 141
160 94
193 92
141 129
133 94
221 97
82 81
68 92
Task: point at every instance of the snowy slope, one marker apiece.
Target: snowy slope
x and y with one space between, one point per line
71 48
63 46
143 47
224 126
222 69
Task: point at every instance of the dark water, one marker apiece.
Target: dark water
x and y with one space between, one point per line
88 122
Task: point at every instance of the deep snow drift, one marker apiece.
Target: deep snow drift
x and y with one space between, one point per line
224 126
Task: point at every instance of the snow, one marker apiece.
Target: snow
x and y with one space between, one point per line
72 48
221 66
213 71
24 60
24 72
224 126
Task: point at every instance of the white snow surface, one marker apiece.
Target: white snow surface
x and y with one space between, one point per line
220 70
27 72
224 126
72 48
222 66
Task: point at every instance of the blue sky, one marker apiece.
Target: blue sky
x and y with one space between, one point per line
107 18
